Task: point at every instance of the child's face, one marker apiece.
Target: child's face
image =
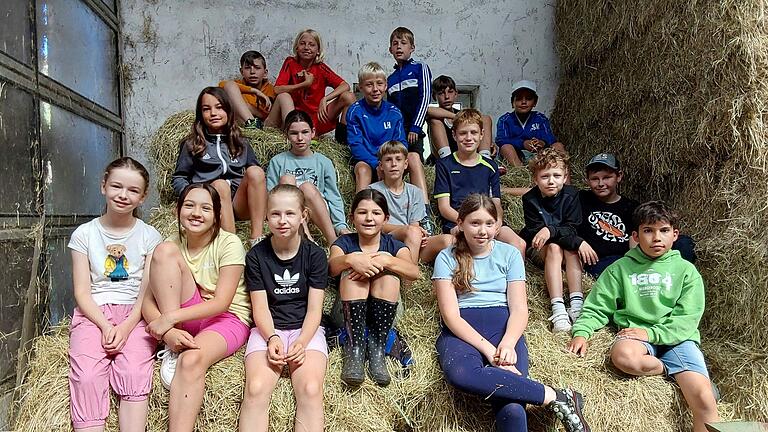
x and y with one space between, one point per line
604 183
523 101
467 136
196 215
214 115
253 74
393 166
368 218
307 48
401 49
479 229
284 215
300 136
655 239
446 98
124 190
550 180
374 88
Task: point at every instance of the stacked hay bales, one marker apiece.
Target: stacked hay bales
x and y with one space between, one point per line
679 91
418 402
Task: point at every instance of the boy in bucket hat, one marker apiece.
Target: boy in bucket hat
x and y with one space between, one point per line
522 133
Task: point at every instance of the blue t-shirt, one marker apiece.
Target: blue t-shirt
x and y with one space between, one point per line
457 181
492 272
350 243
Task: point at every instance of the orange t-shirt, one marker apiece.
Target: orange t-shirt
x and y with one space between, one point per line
251 99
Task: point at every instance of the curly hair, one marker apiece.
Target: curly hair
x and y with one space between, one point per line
548 158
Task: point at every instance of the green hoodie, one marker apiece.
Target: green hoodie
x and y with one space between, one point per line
663 296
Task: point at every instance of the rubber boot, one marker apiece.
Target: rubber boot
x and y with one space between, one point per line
352 370
381 315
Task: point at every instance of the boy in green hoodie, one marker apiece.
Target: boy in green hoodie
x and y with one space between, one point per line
656 299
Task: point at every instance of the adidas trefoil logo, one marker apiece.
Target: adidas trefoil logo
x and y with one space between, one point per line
206 156
287 279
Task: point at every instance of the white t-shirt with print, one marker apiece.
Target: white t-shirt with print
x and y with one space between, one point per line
116 261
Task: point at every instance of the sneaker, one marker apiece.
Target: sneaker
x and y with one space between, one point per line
560 322
168 366
428 225
568 409
257 240
253 124
502 170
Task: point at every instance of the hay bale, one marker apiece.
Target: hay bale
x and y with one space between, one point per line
679 91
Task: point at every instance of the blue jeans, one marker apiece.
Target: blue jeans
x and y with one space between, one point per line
469 371
685 356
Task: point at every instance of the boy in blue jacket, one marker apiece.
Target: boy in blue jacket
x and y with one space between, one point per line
522 133
371 121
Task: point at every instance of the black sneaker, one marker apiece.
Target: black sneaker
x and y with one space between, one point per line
427 225
568 409
253 124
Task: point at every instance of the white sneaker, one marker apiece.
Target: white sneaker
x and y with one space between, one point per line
168 366
560 322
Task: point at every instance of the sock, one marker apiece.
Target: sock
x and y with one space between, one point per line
486 153
577 301
429 210
558 306
444 152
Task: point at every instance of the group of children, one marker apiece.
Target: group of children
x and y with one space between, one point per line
205 297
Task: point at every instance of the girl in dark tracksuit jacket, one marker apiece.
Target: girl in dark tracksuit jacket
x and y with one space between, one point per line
214 152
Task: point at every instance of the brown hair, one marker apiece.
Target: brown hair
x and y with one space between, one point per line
195 140
548 158
468 116
465 272
131 164
216 206
651 212
403 32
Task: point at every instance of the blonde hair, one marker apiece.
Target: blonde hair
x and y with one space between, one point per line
468 116
403 32
320 50
371 69
392 147
549 157
465 271
300 199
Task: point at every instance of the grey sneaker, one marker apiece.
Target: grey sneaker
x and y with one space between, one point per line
568 409
561 323
253 124
428 226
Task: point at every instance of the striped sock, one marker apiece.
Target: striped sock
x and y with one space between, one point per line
558 305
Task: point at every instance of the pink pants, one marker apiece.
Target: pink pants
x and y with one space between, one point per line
92 371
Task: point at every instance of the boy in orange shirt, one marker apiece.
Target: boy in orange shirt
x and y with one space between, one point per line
253 96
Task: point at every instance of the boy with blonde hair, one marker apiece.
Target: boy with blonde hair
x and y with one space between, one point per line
466 172
406 205
552 214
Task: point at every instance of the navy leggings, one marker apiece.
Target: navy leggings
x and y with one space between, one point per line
466 369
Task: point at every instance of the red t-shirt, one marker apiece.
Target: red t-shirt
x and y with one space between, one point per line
307 99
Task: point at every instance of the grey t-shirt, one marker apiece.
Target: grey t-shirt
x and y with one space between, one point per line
405 208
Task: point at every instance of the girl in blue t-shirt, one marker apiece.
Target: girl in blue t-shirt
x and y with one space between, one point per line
371 265
480 288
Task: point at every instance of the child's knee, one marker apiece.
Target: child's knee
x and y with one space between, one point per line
310 391
363 169
255 173
348 98
625 357
413 234
222 187
287 179
165 252
310 190
554 252
414 160
191 364
257 391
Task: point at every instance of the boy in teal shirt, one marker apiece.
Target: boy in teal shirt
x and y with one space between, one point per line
656 299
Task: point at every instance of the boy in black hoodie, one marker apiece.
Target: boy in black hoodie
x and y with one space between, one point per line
552 214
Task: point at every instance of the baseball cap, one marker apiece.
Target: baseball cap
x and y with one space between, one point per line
606 159
524 84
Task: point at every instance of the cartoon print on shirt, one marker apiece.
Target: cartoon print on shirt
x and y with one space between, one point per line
116 263
303 175
608 226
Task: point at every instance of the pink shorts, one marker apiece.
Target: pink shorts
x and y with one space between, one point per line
317 343
227 324
92 371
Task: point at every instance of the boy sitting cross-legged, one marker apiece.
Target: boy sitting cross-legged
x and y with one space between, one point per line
552 214
252 96
656 299
466 172
406 205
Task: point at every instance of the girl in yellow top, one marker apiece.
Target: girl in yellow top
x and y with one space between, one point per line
198 306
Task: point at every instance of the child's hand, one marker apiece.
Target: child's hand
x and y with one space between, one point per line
541 237
363 264
528 145
355 276
116 338
506 357
424 237
633 333
322 110
537 144
578 346
179 340
308 77
344 231
275 354
587 254
296 354
383 259
412 137
159 326
265 98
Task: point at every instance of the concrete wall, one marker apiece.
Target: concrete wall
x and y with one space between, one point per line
173 49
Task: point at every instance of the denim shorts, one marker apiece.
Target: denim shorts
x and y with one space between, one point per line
685 356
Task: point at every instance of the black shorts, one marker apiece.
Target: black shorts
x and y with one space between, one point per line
417 147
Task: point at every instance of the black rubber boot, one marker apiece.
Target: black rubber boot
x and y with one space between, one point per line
381 315
352 370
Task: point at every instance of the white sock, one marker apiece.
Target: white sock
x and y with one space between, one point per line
558 306
444 152
486 153
577 301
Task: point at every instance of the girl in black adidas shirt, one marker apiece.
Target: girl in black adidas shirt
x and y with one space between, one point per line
371 265
286 276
